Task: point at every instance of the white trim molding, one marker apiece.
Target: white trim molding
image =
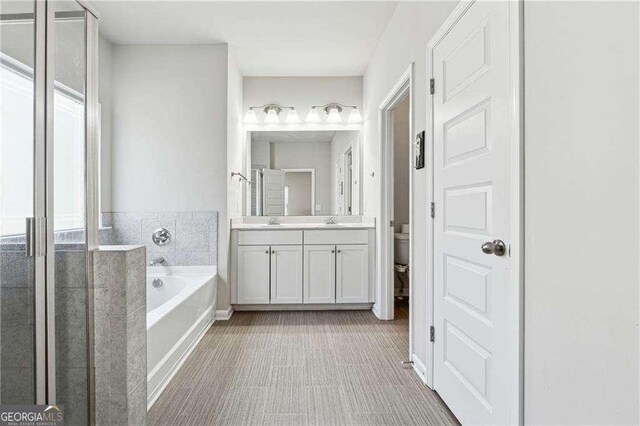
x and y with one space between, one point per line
384 277
224 314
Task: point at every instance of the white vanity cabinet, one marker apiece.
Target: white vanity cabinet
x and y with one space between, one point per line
286 274
319 267
319 274
253 274
352 273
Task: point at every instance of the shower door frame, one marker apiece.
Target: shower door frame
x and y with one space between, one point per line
43 211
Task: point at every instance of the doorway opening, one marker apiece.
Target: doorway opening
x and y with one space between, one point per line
401 218
299 192
394 283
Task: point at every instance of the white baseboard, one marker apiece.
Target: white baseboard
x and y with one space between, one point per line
224 314
419 368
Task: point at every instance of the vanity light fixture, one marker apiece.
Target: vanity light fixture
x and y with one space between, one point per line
313 116
272 112
292 117
355 116
333 111
250 117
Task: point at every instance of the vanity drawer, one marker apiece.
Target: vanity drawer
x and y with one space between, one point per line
337 236
269 237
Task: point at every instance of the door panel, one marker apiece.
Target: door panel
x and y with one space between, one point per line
352 274
253 274
319 274
286 274
17 194
273 192
471 113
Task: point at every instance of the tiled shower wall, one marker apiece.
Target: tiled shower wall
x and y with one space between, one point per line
194 235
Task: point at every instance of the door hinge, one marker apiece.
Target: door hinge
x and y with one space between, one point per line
36 237
391 223
433 210
432 86
432 334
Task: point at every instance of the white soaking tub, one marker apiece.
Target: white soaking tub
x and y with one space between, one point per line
179 312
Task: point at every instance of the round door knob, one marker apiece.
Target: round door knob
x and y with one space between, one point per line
496 247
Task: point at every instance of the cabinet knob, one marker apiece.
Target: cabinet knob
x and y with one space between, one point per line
267 251
339 251
333 251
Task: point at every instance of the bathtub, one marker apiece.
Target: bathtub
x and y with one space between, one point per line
179 312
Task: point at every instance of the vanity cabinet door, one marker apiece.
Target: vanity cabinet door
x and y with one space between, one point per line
286 274
352 274
253 274
319 274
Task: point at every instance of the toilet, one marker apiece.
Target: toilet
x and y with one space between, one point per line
401 248
401 258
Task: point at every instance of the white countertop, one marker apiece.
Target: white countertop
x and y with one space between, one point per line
264 226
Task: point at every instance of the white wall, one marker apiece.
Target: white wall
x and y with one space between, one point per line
302 92
105 65
316 155
404 41
236 155
401 171
169 138
236 146
261 154
581 212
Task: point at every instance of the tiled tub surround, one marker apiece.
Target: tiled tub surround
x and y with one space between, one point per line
194 235
120 335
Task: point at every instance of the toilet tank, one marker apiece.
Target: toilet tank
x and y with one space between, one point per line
401 249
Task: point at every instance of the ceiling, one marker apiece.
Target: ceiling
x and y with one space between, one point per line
293 136
304 38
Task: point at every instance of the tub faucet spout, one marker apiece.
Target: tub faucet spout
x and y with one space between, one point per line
156 261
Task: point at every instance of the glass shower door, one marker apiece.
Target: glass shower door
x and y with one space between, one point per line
69 210
48 111
17 203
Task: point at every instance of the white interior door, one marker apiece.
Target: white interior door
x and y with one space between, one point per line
286 274
473 311
273 192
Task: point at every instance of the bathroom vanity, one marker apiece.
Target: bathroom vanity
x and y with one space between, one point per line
302 265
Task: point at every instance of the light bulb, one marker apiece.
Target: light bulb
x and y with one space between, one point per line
313 116
250 117
355 116
292 117
272 117
334 116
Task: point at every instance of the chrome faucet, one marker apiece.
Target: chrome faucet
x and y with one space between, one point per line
156 261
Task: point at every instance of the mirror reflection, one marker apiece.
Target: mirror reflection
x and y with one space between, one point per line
304 173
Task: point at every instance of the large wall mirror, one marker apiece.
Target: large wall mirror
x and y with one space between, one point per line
305 173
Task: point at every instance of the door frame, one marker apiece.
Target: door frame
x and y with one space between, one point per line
313 184
516 275
383 308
